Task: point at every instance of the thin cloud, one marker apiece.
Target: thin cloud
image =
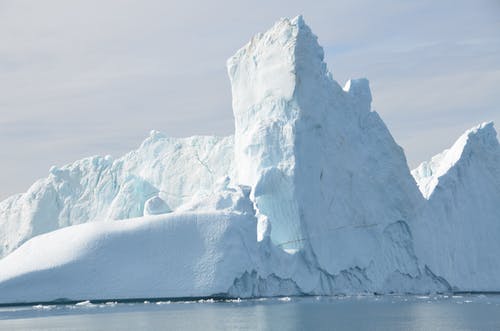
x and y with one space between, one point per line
89 77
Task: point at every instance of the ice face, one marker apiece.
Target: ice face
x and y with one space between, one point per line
100 188
326 173
263 83
461 218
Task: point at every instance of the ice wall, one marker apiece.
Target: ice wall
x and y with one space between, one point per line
263 82
327 174
457 235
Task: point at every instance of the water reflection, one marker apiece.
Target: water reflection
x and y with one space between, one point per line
323 313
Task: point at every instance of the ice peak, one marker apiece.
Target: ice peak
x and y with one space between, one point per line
299 21
290 28
154 134
272 63
484 133
481 137
359 89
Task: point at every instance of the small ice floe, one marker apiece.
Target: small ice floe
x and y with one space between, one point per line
162 302
42 307
286 299
237 300
85 303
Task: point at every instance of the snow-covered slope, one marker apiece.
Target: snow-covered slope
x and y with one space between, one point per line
173 255
457 235
100 188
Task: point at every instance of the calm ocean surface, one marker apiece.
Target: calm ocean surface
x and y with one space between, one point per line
459 312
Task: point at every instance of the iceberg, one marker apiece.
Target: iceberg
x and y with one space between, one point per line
457 234
327 175
310 196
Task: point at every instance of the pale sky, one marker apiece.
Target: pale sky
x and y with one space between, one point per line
86 77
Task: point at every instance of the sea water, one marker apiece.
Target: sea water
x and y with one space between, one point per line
435 312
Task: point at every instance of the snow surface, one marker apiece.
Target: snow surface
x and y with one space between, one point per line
312 195
191 254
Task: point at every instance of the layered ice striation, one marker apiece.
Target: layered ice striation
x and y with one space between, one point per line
311 195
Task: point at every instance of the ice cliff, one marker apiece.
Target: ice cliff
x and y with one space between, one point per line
326 173
457 234
100 188
312 195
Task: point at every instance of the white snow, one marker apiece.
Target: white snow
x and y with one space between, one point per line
312 195
188 254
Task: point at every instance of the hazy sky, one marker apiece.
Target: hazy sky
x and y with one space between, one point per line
79 78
